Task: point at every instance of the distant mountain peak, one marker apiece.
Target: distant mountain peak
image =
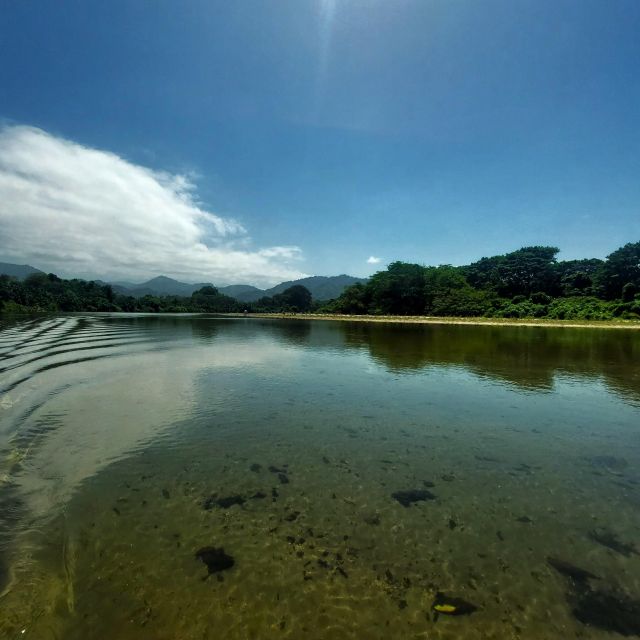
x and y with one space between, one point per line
321 287
19 271
160 280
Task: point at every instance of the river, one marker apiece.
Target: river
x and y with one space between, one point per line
193 477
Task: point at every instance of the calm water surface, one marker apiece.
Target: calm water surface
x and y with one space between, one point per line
130 443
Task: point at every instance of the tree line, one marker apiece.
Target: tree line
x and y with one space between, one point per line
47 293
527 283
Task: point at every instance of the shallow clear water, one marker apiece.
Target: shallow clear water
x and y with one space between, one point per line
118 434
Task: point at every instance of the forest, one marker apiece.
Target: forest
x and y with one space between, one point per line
527 283
47 293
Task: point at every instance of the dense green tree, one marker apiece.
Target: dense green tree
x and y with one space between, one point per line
439 282
629 291
207 299
621 267
525 283
484 274
527 270
48 293
295 298
399 290
520 272
578 277
355 300
207 290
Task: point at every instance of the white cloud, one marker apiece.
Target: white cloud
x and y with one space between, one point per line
373 260
289 253
81 211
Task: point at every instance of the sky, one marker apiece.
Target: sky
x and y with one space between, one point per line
259 141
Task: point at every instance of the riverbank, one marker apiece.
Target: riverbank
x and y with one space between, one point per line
507 322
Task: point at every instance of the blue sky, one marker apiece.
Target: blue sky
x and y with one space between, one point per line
331 131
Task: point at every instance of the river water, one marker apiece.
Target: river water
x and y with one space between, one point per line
194 477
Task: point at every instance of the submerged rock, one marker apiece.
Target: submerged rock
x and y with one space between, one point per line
568 570
372 518
610 540
487 459
406 498
281 472
607 611
275 469
609 463
255 467
215 559
603 608
223 503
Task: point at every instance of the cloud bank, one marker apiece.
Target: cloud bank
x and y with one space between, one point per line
81 211
373 260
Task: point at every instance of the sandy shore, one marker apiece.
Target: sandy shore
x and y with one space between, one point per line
506 322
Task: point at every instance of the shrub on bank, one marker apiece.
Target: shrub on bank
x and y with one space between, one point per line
580 308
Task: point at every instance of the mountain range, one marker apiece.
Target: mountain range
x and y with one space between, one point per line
19 271
321 287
